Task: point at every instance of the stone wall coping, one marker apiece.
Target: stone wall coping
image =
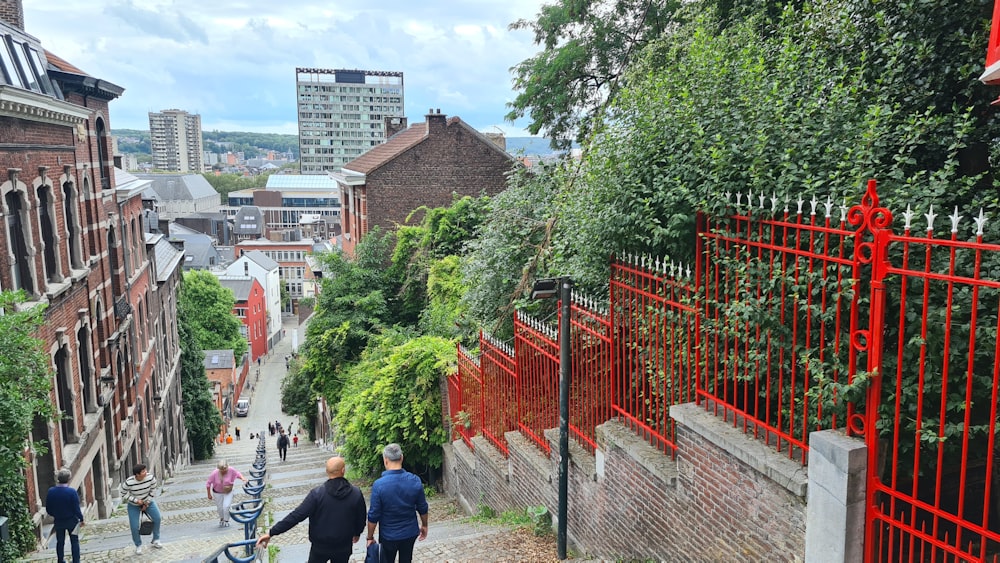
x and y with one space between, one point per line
755 453
578 456
531 454
614 432
462 451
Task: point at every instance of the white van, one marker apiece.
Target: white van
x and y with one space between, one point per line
242 407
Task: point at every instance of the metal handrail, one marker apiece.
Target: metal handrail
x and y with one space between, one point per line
224 550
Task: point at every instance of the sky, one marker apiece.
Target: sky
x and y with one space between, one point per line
233 61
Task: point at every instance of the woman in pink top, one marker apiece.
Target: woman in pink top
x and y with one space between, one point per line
221 484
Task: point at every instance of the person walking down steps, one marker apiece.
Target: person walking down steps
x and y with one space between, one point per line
282 445
63 504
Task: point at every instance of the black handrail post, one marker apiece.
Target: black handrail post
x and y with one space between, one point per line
565 370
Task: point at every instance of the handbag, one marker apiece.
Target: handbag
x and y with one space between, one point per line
145 525
374 553
226 489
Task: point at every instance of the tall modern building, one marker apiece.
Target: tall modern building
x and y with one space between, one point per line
175 138
342 114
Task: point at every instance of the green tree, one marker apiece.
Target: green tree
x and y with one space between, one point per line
201 415
25 390
298 398
587 48
210 310
394 395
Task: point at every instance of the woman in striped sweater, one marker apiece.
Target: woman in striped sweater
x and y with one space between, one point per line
137 491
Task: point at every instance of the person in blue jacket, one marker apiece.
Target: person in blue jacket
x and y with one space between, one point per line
63 504
397 499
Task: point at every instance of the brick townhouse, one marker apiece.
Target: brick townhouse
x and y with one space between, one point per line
74 242
423 165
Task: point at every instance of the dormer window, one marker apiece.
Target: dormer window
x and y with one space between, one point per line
24 66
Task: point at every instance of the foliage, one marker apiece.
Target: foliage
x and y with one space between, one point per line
226 183
210 311
201 415
587 47
445 314
541 519
298 398
25 390
393 394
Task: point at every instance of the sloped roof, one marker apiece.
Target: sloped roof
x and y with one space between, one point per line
198 248
393 147
249 220
179 187
61 63
219 359
166 255
241 287
261 260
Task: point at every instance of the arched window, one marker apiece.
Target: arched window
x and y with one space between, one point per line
19 237
50 240
71 204
102 155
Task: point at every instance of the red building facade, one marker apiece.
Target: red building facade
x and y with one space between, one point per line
74 243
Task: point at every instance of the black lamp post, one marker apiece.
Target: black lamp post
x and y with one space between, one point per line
545 289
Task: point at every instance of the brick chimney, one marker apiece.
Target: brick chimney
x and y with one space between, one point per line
436 121
12 12
394 124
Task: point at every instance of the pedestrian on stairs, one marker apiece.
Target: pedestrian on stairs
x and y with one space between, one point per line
282 445
138 491
63 504
336 512
220 487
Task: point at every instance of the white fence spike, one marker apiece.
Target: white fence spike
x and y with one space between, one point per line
799 203
657 262
728 195
980 222
739 199
907 217
828 205
812 206
955 219
774 202
688 272
930 219
761 197
787 199
843 211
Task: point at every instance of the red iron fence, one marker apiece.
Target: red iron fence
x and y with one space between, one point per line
798 316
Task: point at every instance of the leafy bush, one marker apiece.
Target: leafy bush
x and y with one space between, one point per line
393 394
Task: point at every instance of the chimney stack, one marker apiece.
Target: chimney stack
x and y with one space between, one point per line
12 12
436 121
394 124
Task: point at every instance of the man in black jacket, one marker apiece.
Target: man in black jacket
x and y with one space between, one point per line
282 445
337 515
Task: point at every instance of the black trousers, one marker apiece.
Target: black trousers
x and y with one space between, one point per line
282 452
322 556
402 547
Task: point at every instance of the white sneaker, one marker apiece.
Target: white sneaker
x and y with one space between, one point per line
156 544
138 550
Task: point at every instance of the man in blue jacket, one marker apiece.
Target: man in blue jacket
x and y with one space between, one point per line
397 498
336 513
63 504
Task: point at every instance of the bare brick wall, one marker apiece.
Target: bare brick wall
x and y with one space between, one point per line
455 160
632 501
12 12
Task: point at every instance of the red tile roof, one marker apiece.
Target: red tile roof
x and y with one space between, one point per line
395 146
62 64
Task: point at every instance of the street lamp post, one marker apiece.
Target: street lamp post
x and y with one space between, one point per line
543 289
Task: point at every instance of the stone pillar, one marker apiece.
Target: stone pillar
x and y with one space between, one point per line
835 514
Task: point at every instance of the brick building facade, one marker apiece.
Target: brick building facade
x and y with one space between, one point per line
423 165
74 242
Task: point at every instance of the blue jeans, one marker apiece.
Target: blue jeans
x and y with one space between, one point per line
61 530
134 513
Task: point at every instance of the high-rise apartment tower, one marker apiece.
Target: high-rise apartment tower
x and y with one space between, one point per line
175 138
342 114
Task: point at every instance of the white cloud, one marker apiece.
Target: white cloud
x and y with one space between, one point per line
233 61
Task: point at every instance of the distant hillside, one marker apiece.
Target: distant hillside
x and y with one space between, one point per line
529 145
251 144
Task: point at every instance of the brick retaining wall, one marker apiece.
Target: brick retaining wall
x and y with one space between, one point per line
724 498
